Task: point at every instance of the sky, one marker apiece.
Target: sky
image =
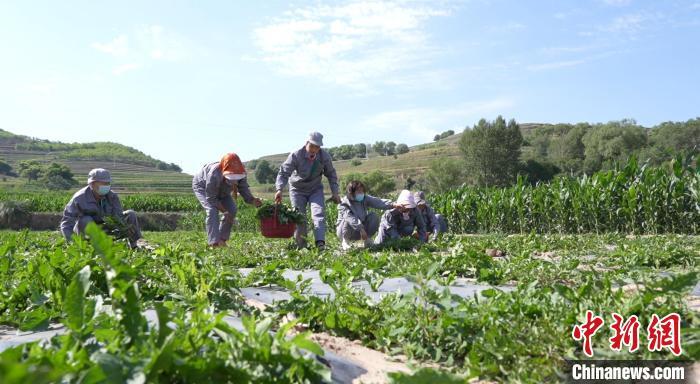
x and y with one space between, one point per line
187 81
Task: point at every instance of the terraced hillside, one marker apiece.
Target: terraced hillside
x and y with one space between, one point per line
128 177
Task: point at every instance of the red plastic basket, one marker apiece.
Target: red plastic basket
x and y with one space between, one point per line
270 227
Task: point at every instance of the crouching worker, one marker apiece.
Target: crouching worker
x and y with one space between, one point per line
435 223
401 221
97 203
213 186
355 222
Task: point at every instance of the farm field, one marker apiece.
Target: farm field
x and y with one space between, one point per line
504 335
494 300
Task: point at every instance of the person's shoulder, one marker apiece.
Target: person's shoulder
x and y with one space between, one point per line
213 170
81 192
112 195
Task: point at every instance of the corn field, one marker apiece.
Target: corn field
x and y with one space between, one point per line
633 199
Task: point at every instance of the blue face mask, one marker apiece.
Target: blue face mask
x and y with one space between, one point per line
359 197
103 189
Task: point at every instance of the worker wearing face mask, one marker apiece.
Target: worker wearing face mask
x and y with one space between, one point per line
401 221
355 221
213 186
96 203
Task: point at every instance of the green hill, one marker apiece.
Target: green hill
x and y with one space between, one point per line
132 170
412 164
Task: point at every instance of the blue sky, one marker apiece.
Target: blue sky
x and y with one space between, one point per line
188 81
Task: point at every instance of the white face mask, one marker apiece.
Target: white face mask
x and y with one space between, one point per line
406 215
235 176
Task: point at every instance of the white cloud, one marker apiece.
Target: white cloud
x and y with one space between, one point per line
119 46
617 3
632 25
555 65
354 45
43 88
508 27
570 49
156 42
629 24
125 68
424 123
143 46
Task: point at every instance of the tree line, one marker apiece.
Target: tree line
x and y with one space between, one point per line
494 153
53 176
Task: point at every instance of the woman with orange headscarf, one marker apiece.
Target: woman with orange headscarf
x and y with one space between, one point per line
213 186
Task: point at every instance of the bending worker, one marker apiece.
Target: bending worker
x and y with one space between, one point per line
355 221
435 223
95 203
213 185
401 221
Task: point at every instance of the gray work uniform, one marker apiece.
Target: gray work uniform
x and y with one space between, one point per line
83 208
306 188
434 222
212 190
353 215
394 226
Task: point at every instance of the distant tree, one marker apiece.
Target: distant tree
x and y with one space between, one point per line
390 148
377 182
174 167
536 171
57 183
671 138
444 174
264 173
360 150
5 168
443 135
447 134
380 148
60 170
605 144
402 148
491 151
410 183
30 169
566 151
58 177
252 164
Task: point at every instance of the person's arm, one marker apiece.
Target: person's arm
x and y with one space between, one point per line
285 172
117 208
434 226
71 214
283 175
420 225
332 176
388 224
244 191
375 202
